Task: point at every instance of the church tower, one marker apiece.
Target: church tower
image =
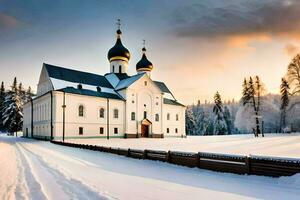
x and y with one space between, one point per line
144 65
118 55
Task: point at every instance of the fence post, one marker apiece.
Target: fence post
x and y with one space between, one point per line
145 154
128 152
248 165
198 159
168 157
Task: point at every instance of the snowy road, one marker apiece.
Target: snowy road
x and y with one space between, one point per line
39 170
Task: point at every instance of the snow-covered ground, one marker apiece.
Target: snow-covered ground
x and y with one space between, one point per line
281 145
31 169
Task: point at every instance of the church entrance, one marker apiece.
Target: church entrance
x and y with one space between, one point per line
145 130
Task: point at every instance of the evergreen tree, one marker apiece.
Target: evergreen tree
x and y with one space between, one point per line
284 91
228 120
220 127
12 115
190 122
2 99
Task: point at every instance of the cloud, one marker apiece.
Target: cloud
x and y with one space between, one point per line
216 18
292 49
8 22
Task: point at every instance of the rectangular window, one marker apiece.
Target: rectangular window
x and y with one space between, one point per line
176 130
133 116
115 130
116 113
145 114
80 130
101 130
168 130
177 117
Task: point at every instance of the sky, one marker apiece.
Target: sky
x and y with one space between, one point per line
196 47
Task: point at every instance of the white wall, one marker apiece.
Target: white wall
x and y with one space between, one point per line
172 124
91 121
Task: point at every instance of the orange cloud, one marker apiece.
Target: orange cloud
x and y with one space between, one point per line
291 49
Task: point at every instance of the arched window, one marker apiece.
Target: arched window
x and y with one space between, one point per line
168 130
177 117
113 69
168 116
101 112
80 111
133 116
116 113
120 69
157 117
176 130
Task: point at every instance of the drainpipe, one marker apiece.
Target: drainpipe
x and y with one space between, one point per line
31 101
107 118
64 114
51 115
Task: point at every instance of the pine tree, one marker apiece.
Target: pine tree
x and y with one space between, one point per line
228 120
2 99
190 122
28 95
220 127
12 115
252 92
284 91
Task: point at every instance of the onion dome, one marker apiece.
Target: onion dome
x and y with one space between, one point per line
118 52
144 64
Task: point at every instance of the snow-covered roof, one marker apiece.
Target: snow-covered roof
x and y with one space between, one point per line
128 81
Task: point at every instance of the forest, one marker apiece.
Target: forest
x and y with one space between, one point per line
257 112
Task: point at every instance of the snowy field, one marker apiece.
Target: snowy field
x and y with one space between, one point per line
31 169
281 145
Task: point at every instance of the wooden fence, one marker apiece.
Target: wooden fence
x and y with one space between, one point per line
251 165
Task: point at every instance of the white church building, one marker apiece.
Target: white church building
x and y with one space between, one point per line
73 104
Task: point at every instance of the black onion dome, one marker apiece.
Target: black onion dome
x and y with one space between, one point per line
144 64
118 52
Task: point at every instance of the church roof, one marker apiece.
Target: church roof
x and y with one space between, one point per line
125 83
162 86
90 93
172 102
76 76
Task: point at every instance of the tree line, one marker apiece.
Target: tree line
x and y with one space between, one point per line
255 111
11 106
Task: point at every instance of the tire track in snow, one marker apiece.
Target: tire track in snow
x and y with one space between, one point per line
72 189
33 186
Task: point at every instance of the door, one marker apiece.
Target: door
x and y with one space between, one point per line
145 130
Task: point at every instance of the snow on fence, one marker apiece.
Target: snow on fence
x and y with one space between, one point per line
252 165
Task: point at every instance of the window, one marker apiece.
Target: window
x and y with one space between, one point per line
113 69
116 113
177 117
145 114
101 130
145 83
80 130
176 130
168 130
80 111
101 113
132 101
133 116
157 117
168 116
98 89
120 69
79 86
115 130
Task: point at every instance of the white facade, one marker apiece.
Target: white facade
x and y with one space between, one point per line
72 104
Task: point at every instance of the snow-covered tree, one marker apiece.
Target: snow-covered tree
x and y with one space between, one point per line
2 99
228 120
12 114
284 91
190 122
220 126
